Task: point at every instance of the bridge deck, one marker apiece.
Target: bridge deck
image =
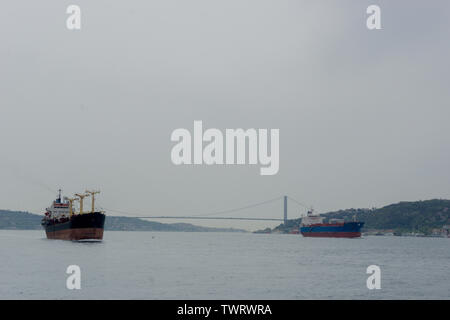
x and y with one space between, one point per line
208 218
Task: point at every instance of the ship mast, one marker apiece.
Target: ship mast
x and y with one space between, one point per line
71 200
92 194
81 197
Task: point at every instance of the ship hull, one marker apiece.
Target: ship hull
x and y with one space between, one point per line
76 234
339 230
87 226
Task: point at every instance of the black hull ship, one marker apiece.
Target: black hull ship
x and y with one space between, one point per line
63 223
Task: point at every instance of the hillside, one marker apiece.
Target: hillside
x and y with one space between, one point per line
402 217
19 220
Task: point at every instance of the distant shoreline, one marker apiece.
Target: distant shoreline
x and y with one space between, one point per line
428 218
20 220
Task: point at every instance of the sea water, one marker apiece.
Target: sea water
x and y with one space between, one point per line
184 265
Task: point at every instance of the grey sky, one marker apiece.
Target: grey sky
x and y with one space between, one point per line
363 115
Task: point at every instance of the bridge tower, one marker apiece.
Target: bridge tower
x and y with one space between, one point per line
285 209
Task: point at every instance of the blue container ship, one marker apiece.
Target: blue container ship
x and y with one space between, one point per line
313 226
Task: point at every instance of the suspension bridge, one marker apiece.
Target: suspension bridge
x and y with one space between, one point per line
218 215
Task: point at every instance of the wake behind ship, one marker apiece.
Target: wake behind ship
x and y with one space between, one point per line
62 222
313 226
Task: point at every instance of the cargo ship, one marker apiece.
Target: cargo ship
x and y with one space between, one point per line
63 222
313 226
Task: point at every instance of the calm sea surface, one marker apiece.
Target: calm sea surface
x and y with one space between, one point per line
164 265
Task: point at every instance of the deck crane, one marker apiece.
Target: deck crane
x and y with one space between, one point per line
92 194
81 198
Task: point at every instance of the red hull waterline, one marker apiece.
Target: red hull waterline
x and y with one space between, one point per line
332 234
77 234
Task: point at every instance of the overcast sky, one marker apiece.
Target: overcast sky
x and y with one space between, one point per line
363 115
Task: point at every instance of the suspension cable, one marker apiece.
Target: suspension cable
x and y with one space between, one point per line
215 212
299 203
